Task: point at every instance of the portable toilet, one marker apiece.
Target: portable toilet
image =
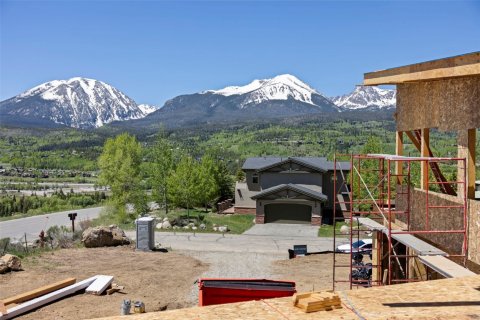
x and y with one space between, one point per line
145 233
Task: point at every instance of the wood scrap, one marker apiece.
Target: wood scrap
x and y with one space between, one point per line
29 295
317 301
46 299
100 284
114 288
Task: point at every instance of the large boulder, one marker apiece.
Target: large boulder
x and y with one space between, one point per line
12 262
3 267
104 237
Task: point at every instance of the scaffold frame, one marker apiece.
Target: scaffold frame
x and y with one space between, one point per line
377 203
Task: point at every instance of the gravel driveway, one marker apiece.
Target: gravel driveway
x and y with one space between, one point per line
239 256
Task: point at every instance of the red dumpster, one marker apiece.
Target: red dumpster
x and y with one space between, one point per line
219 291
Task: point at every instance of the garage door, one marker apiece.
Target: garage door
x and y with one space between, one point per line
288 213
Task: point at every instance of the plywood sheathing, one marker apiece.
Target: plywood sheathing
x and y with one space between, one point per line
474 231
457 298
449 105
439 218
458 66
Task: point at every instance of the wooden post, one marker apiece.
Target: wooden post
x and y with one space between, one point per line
424 147
399 152
466 149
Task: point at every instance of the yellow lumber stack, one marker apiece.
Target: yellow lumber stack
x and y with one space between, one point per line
317 301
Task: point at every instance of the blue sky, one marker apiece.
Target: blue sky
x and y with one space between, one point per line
155 50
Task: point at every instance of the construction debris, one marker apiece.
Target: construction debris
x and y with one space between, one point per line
29 295
114 288
46 299
99 285
317 301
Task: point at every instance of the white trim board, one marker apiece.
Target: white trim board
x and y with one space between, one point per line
45 299
99 285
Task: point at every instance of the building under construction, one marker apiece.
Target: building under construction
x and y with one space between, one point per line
423 225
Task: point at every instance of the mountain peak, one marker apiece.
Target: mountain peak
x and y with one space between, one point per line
281 87
77 102
366 97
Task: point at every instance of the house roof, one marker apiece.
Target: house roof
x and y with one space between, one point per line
457 66
308 190
317 163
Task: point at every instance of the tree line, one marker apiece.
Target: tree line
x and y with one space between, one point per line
176 178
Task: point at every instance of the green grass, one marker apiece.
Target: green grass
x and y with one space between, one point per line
326 230
237 223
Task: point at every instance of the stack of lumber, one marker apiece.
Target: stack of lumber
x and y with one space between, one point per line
317 301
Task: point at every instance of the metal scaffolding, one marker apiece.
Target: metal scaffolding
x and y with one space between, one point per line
375 198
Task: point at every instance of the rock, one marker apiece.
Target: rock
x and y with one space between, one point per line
194 228
12 262
159 225
176 227
186 227
3 267
215 228
191 224
203 226
104 237
166 224
223 228
254 221
215 225
344 229
165 219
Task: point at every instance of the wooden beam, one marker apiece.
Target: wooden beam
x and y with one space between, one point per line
458 66
424 152
46 299
414 140
39 292
399 152
466 149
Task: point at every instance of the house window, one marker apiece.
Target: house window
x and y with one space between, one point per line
255 178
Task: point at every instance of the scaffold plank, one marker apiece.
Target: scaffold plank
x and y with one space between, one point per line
371 224
445 267
416 244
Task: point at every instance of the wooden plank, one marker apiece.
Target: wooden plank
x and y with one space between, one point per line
399 152
414 140
99 285
472 137
46 299
458 66
39 291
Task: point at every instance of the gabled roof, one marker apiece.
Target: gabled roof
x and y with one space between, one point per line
317 163
303 189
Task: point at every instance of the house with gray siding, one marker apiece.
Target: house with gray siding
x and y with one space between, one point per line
289 190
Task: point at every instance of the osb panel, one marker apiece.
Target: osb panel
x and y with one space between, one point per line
449 104
474 231
438 218
456 298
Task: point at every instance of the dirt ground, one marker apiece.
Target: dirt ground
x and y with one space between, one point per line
314 272
160 280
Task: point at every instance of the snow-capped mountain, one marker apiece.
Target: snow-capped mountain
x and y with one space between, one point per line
281 96
366 98
282 87
77 102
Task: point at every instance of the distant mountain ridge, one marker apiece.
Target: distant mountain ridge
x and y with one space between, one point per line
77 102
88 103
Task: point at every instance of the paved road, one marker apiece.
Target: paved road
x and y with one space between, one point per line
15 229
